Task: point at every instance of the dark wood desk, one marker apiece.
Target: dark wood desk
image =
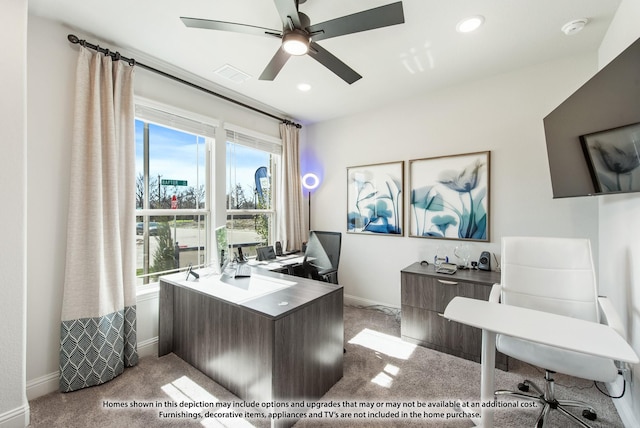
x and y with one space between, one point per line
241 333
281 264
424 296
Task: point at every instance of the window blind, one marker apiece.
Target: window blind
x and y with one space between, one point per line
174 118
247 138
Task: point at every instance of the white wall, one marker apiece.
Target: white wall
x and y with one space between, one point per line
50 106
619 227
502 114
14 409
51 75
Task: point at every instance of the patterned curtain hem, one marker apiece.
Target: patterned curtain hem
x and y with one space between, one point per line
95 350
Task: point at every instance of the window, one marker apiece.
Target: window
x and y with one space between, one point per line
172 195
251 165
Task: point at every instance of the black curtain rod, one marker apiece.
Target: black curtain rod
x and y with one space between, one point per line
116 56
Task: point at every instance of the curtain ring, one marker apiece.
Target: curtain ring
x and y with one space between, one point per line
117 56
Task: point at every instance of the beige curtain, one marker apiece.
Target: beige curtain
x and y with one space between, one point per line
291 228
98 329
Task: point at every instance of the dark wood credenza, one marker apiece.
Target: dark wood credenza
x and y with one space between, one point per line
257 338
424 296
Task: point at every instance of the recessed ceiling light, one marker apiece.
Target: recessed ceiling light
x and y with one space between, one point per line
470 24
304 87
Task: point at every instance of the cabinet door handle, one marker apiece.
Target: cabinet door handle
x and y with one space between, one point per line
444 281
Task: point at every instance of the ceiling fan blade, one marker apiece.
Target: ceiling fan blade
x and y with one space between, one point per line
288 10
371 19
330 61
229 26
275 65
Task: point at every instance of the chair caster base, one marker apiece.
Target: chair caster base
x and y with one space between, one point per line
588 414
546 399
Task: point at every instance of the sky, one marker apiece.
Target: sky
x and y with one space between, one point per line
179 155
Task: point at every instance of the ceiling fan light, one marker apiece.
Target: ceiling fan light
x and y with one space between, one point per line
295 42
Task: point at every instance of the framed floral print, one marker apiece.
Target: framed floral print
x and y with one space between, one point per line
375 199
613 157
449 197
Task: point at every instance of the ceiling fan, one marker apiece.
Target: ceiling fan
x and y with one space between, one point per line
299 37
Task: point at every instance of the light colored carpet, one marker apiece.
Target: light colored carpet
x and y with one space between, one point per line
378 369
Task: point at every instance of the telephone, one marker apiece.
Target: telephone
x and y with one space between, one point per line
190 272
448 268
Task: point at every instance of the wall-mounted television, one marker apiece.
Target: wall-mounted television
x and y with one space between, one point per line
593 137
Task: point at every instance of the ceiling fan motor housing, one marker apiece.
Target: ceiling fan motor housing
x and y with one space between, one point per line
295 42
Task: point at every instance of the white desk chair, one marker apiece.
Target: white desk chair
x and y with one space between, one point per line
553 275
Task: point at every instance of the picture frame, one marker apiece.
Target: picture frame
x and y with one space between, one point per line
375 199
613 157
449 197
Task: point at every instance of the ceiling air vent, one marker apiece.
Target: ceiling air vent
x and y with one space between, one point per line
231 73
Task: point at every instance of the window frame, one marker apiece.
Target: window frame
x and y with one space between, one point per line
273 147
187 122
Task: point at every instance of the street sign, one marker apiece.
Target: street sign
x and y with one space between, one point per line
166 182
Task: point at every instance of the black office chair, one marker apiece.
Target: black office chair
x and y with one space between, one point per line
322 256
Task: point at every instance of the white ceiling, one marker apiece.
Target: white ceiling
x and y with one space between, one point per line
421 55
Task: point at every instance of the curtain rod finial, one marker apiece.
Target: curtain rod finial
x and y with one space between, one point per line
288 122
73 38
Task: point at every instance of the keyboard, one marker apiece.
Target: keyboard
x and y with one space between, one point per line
242 270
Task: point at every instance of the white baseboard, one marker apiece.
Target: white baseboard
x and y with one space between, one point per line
359 301
48 383
148 348
625 412
623 405
16 418
43 385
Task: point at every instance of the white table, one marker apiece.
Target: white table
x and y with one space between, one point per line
536 326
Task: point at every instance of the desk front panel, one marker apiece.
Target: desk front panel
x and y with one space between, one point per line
286 345
309 346
231 345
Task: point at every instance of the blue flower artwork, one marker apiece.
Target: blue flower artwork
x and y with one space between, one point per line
613 158
375 199
450 197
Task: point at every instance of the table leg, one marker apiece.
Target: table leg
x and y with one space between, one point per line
487 380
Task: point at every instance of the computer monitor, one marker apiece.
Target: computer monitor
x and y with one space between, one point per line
266 253
221 257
